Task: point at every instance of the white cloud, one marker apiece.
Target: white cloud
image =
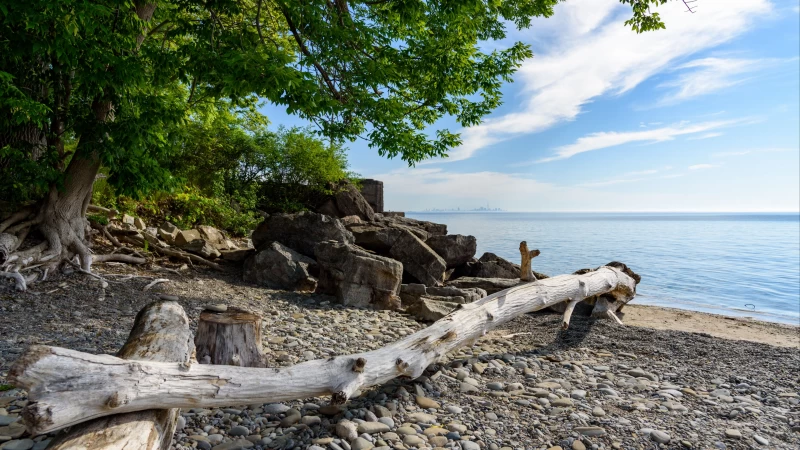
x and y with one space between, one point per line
708 75
702 166
595 54
750 151
639 175
706 136
606 139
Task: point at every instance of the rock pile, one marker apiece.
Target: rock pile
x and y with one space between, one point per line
205 241
362 257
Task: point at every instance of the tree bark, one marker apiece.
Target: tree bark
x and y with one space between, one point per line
160 333
67 387
525 269
230 338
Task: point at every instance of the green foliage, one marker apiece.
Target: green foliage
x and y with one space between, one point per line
384 70
643 18
188 209
6 387
97 218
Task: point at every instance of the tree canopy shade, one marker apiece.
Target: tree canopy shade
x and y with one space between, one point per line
108 82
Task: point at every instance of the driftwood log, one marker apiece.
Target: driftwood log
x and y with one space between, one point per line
67 387
525 268
231 338
161 334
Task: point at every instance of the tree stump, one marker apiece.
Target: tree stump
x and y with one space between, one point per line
525 270
231 338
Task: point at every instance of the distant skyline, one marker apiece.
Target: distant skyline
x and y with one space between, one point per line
702 116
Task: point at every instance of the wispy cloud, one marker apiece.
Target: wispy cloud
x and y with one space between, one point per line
706 136
606 139
702 166
632 177
594 54
708 75
750 151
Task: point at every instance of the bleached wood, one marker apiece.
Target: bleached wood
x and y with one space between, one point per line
67 387
231 338
568 313
160 333
526 269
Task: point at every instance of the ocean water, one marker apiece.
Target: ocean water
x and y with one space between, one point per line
732 264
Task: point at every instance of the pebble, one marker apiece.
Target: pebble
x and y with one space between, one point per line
22 444
220 308
660 437
361 444
427 403
733 434
760 440
373 427
468 445
598 412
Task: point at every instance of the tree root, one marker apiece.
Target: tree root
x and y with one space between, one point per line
187 257
119 258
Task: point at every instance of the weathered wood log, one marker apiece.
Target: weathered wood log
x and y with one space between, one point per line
110 213
525 268
160 333
67 387
232 338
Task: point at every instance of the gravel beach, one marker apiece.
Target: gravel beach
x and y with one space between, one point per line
524 386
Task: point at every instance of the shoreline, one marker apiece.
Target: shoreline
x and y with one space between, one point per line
716 325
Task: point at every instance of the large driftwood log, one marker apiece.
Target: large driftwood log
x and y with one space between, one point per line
160 333
67 387
230 338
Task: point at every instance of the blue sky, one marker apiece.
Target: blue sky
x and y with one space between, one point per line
702 116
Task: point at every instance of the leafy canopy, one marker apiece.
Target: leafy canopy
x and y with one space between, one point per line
379 69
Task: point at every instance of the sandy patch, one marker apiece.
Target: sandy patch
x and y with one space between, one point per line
736 328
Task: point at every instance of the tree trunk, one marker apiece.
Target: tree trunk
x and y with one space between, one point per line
230 338
525 268
160 333
67 387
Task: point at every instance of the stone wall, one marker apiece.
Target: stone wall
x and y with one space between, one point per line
372 190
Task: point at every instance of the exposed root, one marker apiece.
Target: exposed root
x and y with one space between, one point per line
187 257
20 283
155 282
110 213
119 258
22 214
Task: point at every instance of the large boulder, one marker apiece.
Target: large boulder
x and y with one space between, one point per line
213 236
357 277
419 260
373 236
455 249
490 285
300 231
350 202
168 232
431 228
202 248
412 293
430 310
493 266
280 267
184 237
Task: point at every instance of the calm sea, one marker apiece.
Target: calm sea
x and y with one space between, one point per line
733 264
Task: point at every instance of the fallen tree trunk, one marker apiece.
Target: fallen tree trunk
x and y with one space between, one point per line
68 387
160 333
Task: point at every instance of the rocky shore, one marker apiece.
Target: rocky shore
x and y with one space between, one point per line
526 386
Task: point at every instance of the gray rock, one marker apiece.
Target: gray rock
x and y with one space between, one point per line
660 437
184 237
300 232
419 260
358 278
493 266
279 267
234 445
350 202
490 285
733 433
275 408
373 427
180 424
431 310
168 232
7 420
200 247
469 445
22 444
238 431
455 249
761 440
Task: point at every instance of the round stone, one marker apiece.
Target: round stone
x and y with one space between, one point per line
578 445
660 437
598 412
495 386
239 431
733 434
